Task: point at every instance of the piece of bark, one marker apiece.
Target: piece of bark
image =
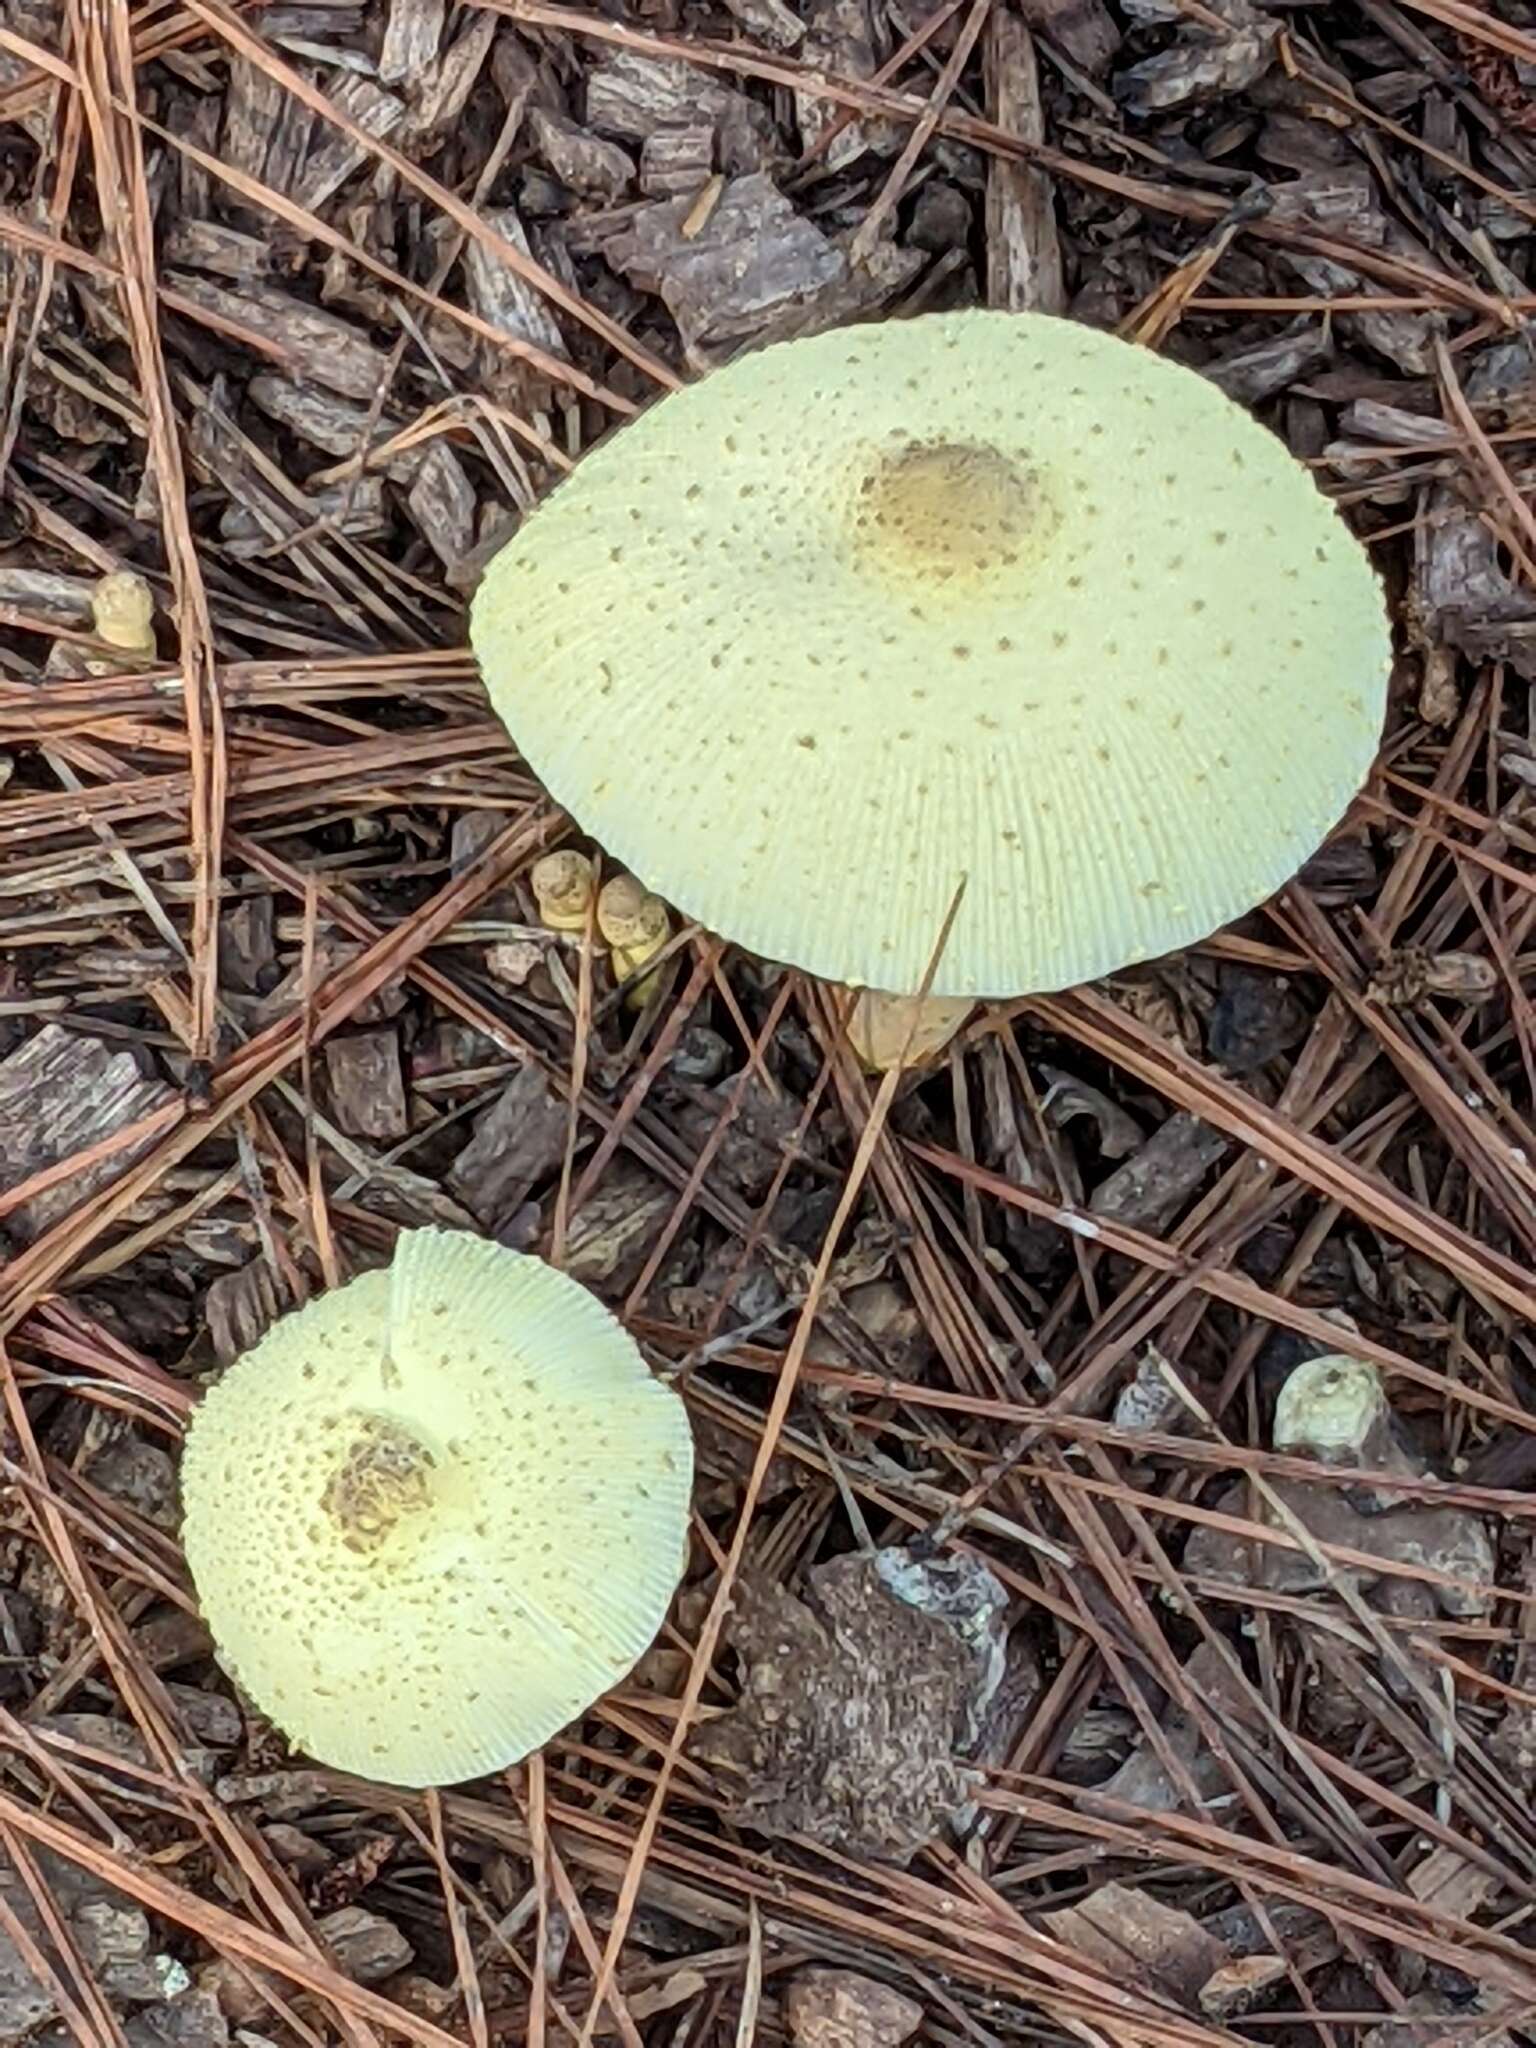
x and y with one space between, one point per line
612 1232
517 1143
66 600
328 167
367 1947
1439 1540
677 161
753 271
843 2009
1024 272
841 39
1251 375
367 1089
1143 1779
356 507
330 953
1084 30
442 95
266 129
309 343
1462 593
338 425
240 1308
1149 1189
138 1473
1198 67
412 33
860 1701
1139 1941
588 165
60 1093
1256 1017
441 501
503 298
631 95
110 1932
213 245
247 946
769 21
1406 339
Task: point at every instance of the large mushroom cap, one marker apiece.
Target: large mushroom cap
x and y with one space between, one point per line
437 1513
979 596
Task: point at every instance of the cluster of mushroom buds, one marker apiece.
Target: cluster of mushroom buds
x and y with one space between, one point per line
632 923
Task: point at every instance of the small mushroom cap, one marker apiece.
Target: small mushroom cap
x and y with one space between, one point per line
562 888
981 597
1329 1405
631 918
123 611
437 1513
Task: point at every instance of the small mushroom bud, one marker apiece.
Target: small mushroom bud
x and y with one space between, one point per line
636 925
562 887
123 612
1333 1409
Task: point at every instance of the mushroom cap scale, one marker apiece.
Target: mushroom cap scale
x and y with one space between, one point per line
980 597
435 1514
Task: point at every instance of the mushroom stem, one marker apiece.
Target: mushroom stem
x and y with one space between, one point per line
903 1031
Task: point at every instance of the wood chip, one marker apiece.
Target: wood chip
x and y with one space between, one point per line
579 159
338 425
755 270
330 165
518 1142
1024 272
212 245
61 1093
631 95
840 39
309 343
412 33
442 503
843 2009
1154 1184
1138 1940
503 298
1084 30
366 1085
676 161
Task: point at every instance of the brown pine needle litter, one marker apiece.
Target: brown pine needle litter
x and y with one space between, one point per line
302 308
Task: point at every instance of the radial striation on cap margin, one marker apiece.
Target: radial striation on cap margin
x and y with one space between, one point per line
435 1514
980 598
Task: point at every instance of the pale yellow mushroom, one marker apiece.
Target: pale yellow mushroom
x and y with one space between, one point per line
903 1031
562 884
436 1513
636 926
976 598
123 612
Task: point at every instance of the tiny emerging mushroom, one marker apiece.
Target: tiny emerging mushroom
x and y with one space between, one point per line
979 622
562 884
1333 1409
636 926
435 1514
123 613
